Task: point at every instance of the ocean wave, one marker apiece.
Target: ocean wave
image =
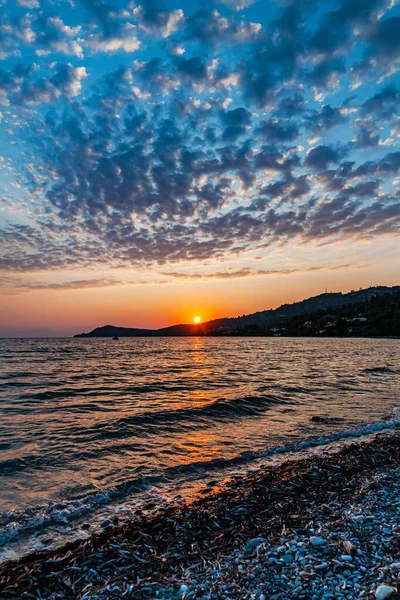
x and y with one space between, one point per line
14 524
223 411
380 370
152 422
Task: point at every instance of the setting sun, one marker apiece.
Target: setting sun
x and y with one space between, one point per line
197 320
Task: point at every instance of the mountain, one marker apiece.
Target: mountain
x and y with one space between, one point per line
260 323
376 316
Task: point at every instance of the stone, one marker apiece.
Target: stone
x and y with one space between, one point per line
105 524
384 591
288 557
317 541
254 543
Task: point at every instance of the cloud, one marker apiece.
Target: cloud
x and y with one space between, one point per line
327 118
158 22
250 272
210 27
124 40
29 3
238 116
384 104
22 285
146 137
278 130
52 35
65 82
236 4
384 38
367 133
321 156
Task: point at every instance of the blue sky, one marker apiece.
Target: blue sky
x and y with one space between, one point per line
152 142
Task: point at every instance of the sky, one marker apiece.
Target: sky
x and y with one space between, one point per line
161 159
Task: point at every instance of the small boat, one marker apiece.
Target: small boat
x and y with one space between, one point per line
115 337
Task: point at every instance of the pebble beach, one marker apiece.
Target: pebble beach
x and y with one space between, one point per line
327 526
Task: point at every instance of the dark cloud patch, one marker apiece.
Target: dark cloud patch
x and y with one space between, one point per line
233 132
275 130
291 106
367 133
289 189
326 73
270 159
210 27
385 104
321 157
385 38
236 117
154 19
364 189
194 68
335 33
326 118
390 163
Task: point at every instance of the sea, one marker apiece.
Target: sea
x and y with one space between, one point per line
92 430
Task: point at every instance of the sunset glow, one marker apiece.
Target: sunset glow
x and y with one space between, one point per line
197 320
233 155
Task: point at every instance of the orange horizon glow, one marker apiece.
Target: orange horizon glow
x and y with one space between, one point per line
197 320
157 305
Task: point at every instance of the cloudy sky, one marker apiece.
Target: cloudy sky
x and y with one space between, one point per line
163 158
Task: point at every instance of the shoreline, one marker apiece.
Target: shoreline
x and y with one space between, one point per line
248 539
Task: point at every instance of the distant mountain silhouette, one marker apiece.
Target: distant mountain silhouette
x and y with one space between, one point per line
259 320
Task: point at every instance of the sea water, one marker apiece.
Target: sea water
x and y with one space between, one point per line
90 428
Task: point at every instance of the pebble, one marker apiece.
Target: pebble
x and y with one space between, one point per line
254 543
288 558
384 591
317 541
105 524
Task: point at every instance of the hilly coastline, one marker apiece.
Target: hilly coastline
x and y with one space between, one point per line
373 311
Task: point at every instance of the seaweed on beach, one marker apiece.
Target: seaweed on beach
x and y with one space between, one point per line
153 556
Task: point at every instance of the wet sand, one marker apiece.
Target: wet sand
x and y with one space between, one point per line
323 527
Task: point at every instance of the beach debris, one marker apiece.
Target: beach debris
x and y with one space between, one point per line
384 591
348 546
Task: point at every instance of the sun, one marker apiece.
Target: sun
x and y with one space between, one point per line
197 320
